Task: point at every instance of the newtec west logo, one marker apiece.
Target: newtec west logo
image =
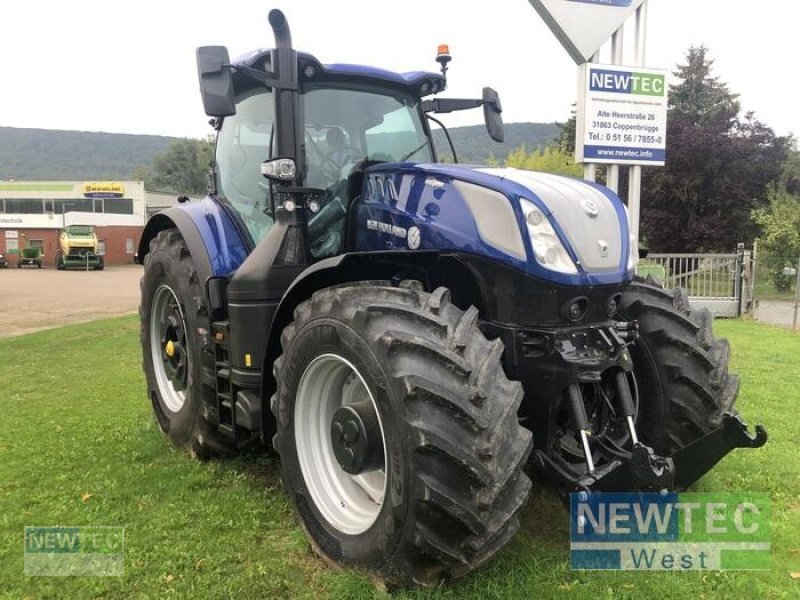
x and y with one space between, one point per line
74 551
624 82
669 532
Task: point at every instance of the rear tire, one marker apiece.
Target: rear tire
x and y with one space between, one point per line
681 369
451 468
174 329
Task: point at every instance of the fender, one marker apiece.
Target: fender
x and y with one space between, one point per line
217 243
363 266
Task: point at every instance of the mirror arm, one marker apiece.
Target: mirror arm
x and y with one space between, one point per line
446 105
260 76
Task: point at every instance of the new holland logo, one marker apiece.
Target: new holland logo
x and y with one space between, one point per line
590 208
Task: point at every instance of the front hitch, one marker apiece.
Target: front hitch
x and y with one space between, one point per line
644 470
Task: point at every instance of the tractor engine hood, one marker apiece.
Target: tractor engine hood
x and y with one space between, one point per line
587 217
561 229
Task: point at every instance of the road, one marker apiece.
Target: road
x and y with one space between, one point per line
33 299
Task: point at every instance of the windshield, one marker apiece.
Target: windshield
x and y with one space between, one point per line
345 128
243 144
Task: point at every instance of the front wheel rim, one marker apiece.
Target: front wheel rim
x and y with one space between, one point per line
350 503
168 348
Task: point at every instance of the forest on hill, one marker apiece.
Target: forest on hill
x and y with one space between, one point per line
53 155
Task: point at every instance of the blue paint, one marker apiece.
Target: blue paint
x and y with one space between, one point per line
450 226
226 246
655 155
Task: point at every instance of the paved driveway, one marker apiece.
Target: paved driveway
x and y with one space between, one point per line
32 299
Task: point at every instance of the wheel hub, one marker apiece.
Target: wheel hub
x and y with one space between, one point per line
356 438
173 353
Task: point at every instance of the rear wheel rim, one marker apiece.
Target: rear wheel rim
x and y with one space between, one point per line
349 503
168 348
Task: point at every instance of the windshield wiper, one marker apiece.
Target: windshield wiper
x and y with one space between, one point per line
414 151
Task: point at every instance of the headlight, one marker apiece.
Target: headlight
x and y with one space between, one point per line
547 247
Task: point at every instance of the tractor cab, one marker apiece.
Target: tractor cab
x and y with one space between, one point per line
349 119
335 121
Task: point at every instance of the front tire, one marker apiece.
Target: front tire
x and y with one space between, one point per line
439 494
681 369
174 329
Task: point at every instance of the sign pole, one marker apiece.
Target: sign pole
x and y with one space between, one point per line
612 171
635 172
589 169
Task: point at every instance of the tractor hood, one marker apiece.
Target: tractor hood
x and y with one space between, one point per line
561 229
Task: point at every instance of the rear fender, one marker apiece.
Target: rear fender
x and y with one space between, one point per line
214 239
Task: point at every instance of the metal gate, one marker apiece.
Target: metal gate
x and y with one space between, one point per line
714 281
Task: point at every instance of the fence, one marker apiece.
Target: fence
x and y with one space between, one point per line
719 282
776 286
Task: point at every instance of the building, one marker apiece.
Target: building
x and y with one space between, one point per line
32 213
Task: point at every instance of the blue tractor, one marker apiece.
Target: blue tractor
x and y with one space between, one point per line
413 337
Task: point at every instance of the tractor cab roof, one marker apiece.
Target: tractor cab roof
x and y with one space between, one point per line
416 83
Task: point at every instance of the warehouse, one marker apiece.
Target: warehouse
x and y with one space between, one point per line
33 213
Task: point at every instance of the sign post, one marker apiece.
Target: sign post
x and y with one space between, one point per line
583 27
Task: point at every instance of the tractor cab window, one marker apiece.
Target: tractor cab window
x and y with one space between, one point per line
244 142
346 130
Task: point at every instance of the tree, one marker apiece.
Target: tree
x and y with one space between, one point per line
719 167
548 160
566 134
183 167
779 247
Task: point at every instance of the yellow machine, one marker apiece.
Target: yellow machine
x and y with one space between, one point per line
78 247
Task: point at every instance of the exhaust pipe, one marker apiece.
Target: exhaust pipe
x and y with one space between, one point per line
280 29
284 68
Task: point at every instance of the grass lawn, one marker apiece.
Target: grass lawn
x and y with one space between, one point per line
78 447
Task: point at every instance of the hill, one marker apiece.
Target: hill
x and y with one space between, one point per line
473 144
51 155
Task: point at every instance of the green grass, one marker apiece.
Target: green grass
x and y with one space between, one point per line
75 421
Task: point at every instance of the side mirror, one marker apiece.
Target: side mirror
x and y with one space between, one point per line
492 114
216 84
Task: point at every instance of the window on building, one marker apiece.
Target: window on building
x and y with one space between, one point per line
101 247
130 247
24 206
32 243
118 206
74 205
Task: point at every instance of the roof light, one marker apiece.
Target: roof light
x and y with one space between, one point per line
443 57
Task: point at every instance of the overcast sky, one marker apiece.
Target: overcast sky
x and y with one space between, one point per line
130 67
